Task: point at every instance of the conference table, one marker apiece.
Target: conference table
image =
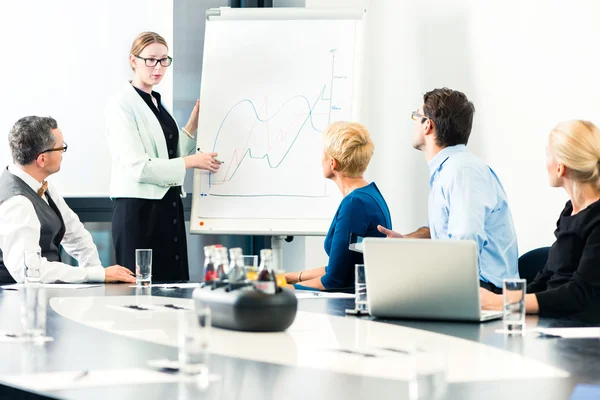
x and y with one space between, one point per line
90 333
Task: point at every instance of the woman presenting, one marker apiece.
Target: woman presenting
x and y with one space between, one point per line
150 155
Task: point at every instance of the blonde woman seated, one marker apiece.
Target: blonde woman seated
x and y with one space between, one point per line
347 151
570 282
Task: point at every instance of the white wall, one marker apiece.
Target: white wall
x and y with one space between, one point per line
533 68
525 64
65 58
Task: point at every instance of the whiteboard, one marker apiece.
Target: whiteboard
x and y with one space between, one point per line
272 81
65 59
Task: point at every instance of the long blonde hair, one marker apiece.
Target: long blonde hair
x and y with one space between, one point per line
576 145
143 40
350 144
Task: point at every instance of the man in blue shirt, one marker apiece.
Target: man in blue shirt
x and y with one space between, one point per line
466 199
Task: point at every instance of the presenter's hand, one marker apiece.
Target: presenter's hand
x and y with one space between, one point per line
389 233
192 125
202 161
116 273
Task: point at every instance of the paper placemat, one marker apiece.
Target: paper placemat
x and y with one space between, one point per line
49 381
169 285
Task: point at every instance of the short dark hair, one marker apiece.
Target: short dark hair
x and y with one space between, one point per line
452 115
29 137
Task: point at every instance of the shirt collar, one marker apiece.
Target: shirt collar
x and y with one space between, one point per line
435 164
28 179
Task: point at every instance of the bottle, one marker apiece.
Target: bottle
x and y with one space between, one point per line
266 276
210 272
236 266
221 263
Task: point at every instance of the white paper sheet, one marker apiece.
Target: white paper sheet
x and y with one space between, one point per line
171 285
77 379
55 286
146 308
571 333
17 338
305 294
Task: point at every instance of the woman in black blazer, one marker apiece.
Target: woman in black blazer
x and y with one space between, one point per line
569 284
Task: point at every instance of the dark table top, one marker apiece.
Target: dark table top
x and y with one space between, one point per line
79 347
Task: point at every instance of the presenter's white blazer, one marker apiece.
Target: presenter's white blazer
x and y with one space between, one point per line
141 167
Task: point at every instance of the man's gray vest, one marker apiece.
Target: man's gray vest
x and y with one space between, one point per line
52 224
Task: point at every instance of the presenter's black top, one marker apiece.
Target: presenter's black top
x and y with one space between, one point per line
570 282
154 224
167 123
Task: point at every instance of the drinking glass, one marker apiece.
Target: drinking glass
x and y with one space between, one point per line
33 310
360 287
32 261
143 267
193 337
514 291
251 267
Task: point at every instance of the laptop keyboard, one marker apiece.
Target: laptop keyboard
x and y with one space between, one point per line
485 313
488 315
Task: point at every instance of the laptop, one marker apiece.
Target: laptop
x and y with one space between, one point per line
423 279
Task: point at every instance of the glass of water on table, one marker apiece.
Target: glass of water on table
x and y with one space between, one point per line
193 340
143 267
361 306
514 291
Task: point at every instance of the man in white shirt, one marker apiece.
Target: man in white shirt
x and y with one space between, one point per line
35 217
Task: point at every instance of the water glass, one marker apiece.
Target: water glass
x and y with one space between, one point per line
33 310
193 337
32 261
514 291
143 267
250 261
251 267
360 287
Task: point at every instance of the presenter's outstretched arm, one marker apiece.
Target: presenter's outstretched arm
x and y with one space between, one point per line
192 125
421 233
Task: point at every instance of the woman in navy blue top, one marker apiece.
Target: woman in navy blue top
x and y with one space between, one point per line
347 151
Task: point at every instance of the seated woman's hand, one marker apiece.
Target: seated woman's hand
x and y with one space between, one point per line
291 277
489 300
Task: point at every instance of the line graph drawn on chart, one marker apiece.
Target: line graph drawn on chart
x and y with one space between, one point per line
271 146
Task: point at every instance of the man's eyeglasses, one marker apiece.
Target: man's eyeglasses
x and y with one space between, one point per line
415 116
63 149
151 62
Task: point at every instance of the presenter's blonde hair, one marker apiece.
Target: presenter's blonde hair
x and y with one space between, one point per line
143 40
350 144
576 145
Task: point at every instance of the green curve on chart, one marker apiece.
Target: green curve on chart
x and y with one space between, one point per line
248 152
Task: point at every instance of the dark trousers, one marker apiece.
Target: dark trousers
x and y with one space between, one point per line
156 225
491 287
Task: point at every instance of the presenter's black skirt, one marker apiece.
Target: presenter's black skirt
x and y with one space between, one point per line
156 225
